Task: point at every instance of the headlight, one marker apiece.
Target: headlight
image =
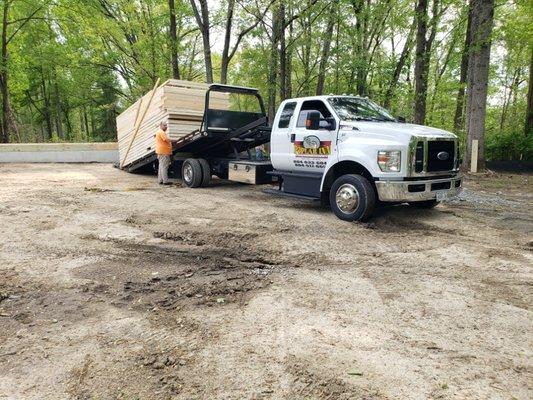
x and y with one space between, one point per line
390 161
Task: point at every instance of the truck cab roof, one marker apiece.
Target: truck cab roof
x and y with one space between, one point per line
323 97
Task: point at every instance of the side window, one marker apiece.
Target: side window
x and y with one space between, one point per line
286 115
313 105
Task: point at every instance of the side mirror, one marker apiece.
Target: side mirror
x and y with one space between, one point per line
401 119
313 120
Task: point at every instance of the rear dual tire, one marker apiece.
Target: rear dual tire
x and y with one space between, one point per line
196 172
206 172
352 198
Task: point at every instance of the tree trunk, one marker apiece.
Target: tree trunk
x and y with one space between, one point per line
202 19
47 115
360 48
337 56
4 76
227 39
508 96
306 56
325 50
82 125
458 120
528 129
173 40
68 123
399 66
153 57
421 15
423 56
58 112
478 73
288 63
273 65
439 72
282 54
86 123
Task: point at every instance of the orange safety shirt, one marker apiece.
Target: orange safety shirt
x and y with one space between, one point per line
163 145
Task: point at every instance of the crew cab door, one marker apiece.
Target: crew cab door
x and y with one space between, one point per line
280 138
312 148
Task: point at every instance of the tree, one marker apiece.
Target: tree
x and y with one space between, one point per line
173 40
202 19
325 48
399 65
227 52
423 54
458 121
277 28
528 129
8 119
278 48
478 73
70 66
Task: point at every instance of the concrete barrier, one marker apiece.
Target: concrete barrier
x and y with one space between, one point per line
59 152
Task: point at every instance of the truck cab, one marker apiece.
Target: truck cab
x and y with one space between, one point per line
351 153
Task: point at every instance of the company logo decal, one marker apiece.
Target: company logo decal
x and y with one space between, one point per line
312 146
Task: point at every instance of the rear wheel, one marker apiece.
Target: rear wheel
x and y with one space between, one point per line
424 204
352 198
191 172
206 172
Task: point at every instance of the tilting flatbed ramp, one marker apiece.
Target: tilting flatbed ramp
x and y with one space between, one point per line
223 132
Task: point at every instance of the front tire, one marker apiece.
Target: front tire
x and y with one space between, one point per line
191 172
352 198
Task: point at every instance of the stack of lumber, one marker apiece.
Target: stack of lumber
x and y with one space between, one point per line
180 103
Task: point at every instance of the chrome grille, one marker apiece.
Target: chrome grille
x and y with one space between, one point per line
419 157
431 156
441 155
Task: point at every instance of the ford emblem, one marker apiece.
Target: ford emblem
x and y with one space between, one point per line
443 156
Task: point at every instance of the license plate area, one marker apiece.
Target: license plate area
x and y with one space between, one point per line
443 195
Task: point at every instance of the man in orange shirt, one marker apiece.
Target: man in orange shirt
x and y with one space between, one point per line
163 149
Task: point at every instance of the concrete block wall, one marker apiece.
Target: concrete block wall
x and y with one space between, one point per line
59 152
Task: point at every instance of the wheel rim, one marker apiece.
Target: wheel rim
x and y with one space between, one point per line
187 172
347 198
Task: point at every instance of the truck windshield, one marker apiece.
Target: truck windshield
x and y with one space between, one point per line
358 109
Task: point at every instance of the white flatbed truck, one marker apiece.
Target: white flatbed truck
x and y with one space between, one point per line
345 151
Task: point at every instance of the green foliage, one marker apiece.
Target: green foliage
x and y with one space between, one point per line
509 146
74 65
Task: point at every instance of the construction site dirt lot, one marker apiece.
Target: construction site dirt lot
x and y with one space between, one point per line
114 287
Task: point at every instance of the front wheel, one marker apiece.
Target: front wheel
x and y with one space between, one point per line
352 198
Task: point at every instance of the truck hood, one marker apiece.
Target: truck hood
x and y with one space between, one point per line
397 130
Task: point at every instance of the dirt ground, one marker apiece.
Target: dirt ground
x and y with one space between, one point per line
113 287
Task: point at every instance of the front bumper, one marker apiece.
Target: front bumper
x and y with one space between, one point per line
420 190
